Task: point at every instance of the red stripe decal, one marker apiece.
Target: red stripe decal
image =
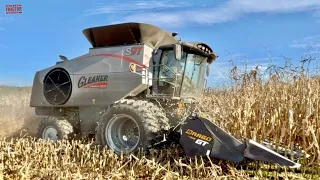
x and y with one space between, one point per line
97 85
130 60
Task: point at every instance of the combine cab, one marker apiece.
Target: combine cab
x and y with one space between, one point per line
122 92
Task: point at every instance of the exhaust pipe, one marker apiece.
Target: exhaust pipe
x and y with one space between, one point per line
201 137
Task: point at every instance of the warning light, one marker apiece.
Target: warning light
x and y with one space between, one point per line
132 67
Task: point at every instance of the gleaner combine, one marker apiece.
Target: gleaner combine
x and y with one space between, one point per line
122 92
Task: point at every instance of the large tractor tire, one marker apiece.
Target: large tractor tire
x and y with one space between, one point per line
54 129
131 125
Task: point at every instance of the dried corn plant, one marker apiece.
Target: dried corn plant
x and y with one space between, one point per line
28 158
280 105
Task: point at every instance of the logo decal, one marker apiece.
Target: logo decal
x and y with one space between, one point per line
13 9
99 81
198 135
201 142
133 51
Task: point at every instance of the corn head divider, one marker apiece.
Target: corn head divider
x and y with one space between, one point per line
128 92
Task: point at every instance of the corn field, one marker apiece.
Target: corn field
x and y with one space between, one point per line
284 108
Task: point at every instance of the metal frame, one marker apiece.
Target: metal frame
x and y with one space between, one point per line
145 72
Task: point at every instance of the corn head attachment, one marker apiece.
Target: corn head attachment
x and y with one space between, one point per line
201 137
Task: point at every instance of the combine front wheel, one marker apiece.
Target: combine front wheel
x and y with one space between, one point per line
129 125
52 128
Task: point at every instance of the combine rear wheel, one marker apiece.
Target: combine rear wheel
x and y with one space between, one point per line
53 128
130 125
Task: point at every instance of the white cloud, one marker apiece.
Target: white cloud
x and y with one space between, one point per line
316 37
259 21
140 6
151 12
316 14
5 19
274 6
13 83
220 71
313 52
307 42
242 59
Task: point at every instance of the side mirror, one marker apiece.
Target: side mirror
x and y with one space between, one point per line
208 70
177 51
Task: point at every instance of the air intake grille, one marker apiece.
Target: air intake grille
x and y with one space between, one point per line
57 86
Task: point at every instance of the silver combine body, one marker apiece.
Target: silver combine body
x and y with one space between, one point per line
91 82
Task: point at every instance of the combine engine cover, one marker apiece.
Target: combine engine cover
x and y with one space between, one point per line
99 78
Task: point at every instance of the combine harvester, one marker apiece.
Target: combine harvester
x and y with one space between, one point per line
122 92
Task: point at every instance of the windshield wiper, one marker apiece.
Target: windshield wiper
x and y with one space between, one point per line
194 68
205 59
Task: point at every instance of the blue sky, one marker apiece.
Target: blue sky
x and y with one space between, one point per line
242 30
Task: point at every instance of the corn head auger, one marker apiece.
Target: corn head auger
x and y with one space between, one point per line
122 92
